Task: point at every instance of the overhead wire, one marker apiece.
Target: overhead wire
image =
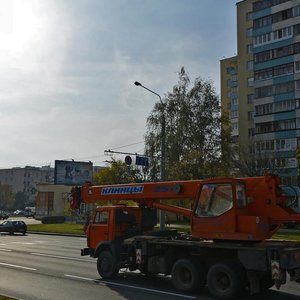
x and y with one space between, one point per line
126 145
90 158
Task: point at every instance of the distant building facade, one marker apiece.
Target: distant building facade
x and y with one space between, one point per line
25 180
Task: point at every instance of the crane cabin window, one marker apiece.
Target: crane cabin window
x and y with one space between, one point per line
215 199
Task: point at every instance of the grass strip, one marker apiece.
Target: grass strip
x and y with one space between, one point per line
57 228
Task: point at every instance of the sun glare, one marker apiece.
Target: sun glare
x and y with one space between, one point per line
24 29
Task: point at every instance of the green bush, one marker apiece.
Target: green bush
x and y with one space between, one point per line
53 220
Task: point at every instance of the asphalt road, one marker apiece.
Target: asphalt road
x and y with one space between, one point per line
50 267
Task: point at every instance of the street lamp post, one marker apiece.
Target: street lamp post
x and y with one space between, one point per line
162 220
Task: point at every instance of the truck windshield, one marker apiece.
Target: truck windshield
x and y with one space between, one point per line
215 199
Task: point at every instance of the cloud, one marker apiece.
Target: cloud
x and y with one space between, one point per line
67 70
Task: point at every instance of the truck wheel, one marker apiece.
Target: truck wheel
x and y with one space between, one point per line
266 281
186 277
107 265
226 280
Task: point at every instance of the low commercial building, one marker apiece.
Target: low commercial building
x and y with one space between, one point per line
52 200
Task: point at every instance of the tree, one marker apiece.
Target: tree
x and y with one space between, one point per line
7 199
117 173
254 160
228 154
193 131
20 200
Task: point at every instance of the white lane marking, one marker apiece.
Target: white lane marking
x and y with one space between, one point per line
6 250
131 286
63 257
22 243
17 266
78 277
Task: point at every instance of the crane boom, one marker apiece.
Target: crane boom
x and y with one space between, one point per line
220 208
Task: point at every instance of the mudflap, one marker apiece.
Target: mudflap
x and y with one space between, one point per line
85 251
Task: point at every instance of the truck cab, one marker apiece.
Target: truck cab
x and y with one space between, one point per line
112 223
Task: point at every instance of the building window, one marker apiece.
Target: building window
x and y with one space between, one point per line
297 66
282 15
296 11
276 89
250 115
279 34
251 132
276 53
234 126
250 82
234 78
250 48
275 126
275 107
263 74
234 101
276 71
296 29
234 114
249 32
262 22
228 70
250 98
250 65
297 85
249 16
258 5
234 89
234 139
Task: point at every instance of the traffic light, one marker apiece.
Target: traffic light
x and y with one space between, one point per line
128 160
142 161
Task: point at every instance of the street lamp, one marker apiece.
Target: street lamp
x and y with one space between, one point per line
163 149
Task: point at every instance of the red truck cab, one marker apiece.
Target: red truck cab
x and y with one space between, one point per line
112 222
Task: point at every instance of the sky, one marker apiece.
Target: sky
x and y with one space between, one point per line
68 67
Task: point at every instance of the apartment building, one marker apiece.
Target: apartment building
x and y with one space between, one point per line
260 86
26 179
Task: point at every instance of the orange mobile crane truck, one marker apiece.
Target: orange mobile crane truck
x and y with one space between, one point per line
228 247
